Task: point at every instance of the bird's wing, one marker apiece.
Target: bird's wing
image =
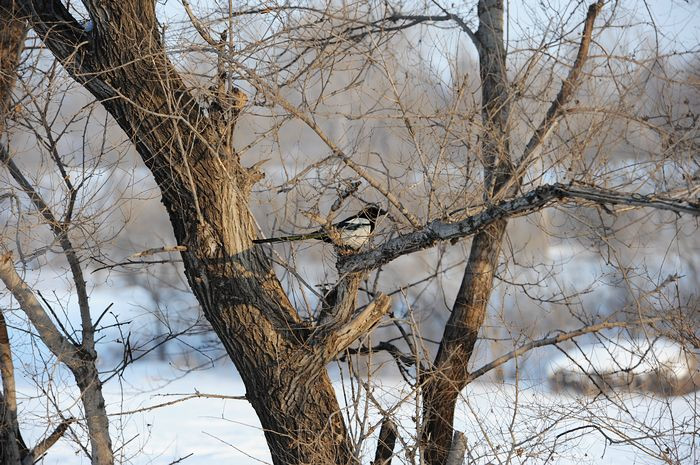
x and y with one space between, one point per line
355 222
295 237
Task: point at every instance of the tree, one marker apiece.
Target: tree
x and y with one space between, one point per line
192 149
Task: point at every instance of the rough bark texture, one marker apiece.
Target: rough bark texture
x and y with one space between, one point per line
450 373
12 34
385 443
12 447
205 190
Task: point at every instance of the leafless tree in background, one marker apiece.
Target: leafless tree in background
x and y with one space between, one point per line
565 131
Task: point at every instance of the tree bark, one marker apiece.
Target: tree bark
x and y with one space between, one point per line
450 370
450 373
11 444
12 35
385 443
205 190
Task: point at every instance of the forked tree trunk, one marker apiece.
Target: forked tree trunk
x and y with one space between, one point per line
450 372
205 190
241 297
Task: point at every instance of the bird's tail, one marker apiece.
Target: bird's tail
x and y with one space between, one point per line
295 237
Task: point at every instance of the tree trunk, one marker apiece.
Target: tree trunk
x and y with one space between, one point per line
252 316
205 190
450 372
12 35
12 446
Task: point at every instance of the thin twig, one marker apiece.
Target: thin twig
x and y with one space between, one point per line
564 336
196 395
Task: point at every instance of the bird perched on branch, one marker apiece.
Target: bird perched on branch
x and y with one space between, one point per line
353 232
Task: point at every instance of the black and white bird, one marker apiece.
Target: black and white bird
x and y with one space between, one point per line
353 232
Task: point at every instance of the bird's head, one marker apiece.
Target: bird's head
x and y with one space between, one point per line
372 212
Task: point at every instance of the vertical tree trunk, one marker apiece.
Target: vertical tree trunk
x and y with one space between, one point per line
12 35
10 438
450 370
450 373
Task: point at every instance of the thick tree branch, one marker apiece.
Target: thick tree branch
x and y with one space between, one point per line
334 339
496 98
59 345
10 438
52 17
68 41
339 303
206 191
386 442
13 32
537 199
45 444
174 138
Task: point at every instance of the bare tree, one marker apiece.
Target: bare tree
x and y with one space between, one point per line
527 141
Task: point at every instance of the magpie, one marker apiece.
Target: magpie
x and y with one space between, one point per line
353 232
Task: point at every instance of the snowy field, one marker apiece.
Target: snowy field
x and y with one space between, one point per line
504 423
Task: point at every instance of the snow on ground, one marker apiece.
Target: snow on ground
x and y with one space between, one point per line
502 423
638 356
526 423
207 428
658 365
